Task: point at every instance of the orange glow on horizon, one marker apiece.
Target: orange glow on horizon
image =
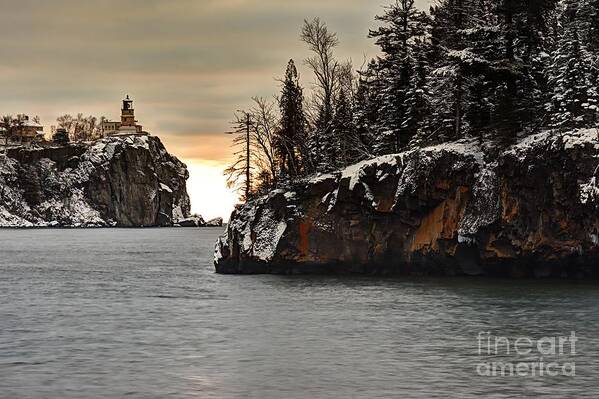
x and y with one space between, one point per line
207 188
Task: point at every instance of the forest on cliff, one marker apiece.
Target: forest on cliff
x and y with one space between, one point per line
490 70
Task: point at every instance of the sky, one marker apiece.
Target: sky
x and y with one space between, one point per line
188 65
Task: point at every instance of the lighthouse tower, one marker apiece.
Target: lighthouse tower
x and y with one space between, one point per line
128 125
127 113
128 122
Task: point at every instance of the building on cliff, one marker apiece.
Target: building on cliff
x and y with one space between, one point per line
25 131
127 126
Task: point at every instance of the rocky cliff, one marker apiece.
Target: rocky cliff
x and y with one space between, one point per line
456 208
117 181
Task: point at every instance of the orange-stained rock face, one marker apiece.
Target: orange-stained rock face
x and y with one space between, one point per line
447 209
304 237
442 223
509 206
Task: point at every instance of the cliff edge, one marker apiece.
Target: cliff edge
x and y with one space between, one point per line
125 181
452 209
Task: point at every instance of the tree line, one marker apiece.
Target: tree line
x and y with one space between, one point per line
493 70
77 128
80 127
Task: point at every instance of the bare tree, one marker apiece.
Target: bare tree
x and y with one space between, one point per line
255 167
81 128
65 122
264 131
239 174
326 69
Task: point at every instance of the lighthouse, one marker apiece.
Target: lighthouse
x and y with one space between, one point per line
127 125
128 113
128 122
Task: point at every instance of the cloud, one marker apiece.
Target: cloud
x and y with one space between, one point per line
209 54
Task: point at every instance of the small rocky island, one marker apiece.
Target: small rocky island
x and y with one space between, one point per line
457 208
122 180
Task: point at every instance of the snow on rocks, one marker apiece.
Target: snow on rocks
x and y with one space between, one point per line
484 209
268 232
166 188
550 139
580 138
453 199
356 172
589 192
464 147
85 184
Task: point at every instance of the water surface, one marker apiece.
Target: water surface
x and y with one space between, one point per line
111 313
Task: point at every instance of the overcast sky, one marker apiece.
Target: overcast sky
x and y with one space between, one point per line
188 64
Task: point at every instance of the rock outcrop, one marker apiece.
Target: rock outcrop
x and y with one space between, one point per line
216 222
193 221
452 209
117 181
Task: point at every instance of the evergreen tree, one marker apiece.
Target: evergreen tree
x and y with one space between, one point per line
526 29
368 103
321 143
290 140
592 37
479 61
61 137
450 18
418 102
344 131
402 25
590 17
574 99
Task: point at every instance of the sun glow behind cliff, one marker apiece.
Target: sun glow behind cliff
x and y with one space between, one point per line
208 190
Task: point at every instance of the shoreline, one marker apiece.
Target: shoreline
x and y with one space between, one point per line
102 227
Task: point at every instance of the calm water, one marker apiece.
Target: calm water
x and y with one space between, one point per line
140 313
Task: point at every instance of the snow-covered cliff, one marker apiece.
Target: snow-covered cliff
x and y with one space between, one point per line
455 208
116 181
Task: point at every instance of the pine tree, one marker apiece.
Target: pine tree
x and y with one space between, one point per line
592 37
402 25
418 101
290 140
478 62
321 143
344 132
590 18
574 99
368 103
450 19
525 27
61 137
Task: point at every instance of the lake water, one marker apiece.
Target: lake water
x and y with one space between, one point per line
140 313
